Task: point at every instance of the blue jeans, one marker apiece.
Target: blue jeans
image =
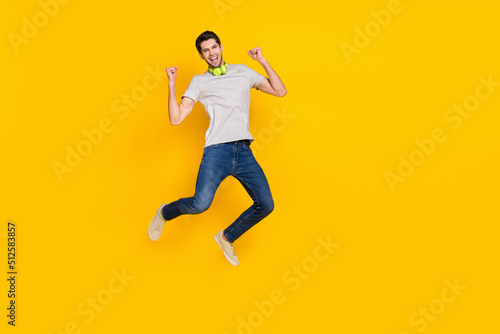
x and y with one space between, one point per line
218 162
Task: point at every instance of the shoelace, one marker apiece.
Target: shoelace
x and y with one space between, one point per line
158 225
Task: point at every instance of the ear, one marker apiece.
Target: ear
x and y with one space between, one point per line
201 56
221 48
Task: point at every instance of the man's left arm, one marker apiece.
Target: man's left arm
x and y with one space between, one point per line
273 84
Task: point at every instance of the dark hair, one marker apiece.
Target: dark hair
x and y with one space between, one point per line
205 36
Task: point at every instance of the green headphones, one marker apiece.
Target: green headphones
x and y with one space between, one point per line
222 69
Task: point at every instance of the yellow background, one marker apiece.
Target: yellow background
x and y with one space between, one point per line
351 121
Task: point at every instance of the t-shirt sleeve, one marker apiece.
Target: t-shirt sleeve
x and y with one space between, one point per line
254 77
193 90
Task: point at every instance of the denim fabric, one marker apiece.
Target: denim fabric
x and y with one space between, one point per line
218 162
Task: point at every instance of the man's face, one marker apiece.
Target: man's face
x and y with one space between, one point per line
211 52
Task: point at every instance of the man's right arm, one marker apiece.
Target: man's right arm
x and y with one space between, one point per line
177 112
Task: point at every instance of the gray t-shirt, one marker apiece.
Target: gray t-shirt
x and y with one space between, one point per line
226 99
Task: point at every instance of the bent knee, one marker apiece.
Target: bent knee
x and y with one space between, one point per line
267 207
200 206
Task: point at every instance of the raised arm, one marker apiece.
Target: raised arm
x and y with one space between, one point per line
177 112
272 84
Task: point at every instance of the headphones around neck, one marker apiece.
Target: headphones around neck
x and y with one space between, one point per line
222 69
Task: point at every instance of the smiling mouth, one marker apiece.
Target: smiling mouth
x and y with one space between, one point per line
214 59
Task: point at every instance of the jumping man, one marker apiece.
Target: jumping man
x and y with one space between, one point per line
224 92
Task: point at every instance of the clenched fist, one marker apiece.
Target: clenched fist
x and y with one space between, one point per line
172 73
256 54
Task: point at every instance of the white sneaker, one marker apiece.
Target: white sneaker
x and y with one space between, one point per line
227 249
156 226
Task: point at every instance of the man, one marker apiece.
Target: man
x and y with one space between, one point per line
224 92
